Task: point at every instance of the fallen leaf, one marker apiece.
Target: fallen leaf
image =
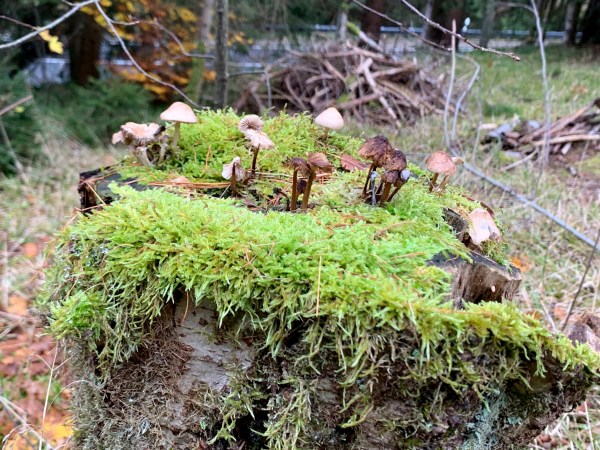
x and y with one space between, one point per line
351 164
30 249
521 262
18 305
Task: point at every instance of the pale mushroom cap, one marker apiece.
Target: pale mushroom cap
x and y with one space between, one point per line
179 112
250 122
234 165
482 227
138 133
117 137
441 162
331 119
259 139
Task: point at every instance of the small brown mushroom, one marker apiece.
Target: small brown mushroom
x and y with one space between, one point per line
391 177
316 161
300 166
482 227
250 122
377 149
440 163
404 177
258 139
138 136
178 113
234 172
330 119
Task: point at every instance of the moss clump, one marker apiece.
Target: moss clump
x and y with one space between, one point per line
354 276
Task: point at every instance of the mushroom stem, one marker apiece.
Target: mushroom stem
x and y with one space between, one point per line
294 200
326 134
398 186
386 192
175 135
311 178
233 183
140 153
253 168
443 183
371 168
433 181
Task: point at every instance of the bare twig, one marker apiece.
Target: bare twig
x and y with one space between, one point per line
546 149
464 95
113 30
48 393
458 35
15 104
450 86
583 277
76 7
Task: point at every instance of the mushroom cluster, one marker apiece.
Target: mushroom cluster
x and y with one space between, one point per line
145 141
251 125
307 168
395 173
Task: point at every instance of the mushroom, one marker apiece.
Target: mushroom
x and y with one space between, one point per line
377 149
404 177
250 122
138 136
482 227
258 139
299 165
330 119
441 163
316 161
178 113
234 172
391 177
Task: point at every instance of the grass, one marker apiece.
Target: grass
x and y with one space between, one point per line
39 203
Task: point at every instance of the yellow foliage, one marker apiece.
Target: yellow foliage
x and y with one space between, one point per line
186 14
54 44
209 75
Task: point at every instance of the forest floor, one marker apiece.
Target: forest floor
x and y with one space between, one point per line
34 380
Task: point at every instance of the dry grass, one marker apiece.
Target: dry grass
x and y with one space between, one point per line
38 203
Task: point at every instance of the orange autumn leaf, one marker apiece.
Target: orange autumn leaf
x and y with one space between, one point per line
30 249
209 75
521 262
18 305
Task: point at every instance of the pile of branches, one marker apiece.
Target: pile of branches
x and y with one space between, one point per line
528 136
367 85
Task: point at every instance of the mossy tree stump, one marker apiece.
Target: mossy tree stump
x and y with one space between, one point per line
218 323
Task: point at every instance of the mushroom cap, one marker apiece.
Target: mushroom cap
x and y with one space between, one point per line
482 226
235 166
319 161
117 137
179 112
441 162
259 139
378 149
330 119
300 165
250 122
138 133
390 176
397 161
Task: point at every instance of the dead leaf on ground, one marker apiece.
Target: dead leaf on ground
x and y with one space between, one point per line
17 304
351 164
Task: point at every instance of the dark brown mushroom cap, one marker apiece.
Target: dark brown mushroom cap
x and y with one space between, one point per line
378 149
301 185
300 165
441 162
319 161
391 176
397 161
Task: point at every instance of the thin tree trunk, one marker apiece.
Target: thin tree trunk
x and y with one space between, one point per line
204 43
84 48
221 53
488 23
370 22
590 30
571 20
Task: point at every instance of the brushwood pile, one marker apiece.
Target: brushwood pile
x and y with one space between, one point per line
273 285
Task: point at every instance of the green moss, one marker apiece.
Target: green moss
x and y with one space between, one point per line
355 276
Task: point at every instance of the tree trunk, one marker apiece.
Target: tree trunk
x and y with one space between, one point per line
204 42
370 22
221 53
443 13
84 48
590 30
571 21
487 26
